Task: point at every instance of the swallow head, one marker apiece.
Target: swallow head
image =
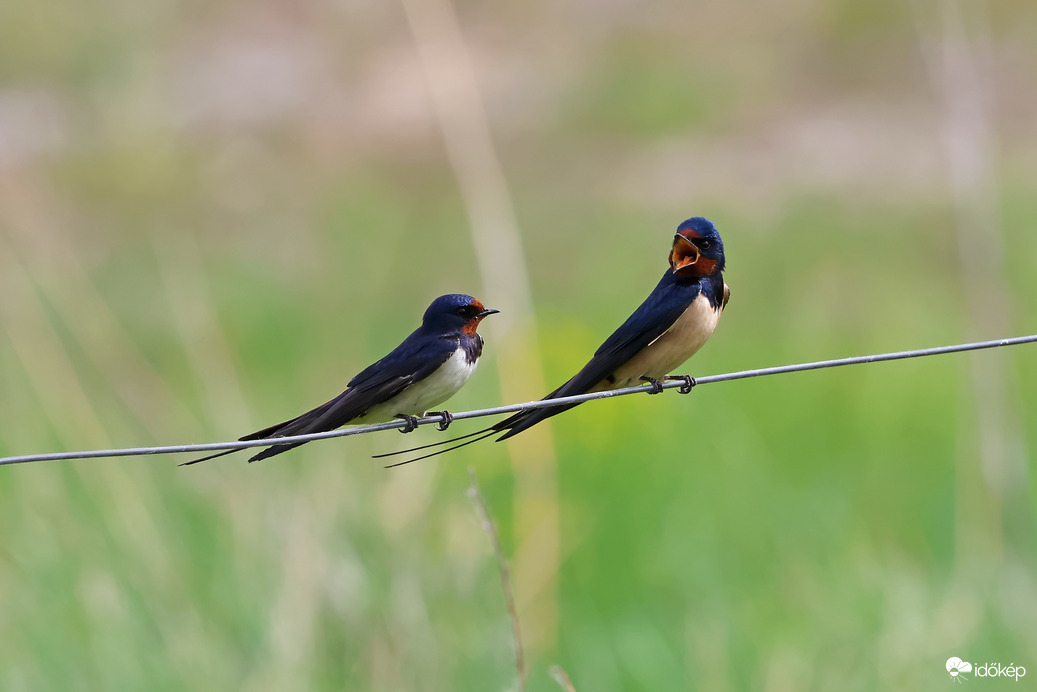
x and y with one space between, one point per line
697 249
454 312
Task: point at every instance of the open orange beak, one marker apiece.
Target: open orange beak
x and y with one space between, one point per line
683 255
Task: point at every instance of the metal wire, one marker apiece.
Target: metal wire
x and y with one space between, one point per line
529 405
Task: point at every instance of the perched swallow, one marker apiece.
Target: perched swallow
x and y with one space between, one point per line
424 371
676 319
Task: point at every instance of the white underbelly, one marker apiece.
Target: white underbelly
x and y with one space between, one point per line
426 394
673 347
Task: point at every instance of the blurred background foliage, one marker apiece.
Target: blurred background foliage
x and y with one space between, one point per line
213 214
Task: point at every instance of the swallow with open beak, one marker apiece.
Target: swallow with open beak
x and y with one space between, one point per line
429 367
676 319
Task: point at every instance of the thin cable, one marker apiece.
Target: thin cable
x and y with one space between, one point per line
529 405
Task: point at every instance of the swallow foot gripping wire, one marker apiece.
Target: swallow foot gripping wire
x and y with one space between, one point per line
657 386
688 380
412 422
446 418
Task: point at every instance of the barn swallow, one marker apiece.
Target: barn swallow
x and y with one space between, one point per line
676 319
424 371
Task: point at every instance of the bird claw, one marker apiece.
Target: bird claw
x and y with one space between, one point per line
657 386
446 418
689 383
412 422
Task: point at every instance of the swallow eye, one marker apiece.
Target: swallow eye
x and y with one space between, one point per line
463 311
705 244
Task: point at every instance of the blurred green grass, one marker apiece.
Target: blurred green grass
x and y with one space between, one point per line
211 219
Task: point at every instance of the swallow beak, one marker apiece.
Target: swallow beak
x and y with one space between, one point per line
487 312
684 253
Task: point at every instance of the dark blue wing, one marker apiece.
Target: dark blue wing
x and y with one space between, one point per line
654 316
412 361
